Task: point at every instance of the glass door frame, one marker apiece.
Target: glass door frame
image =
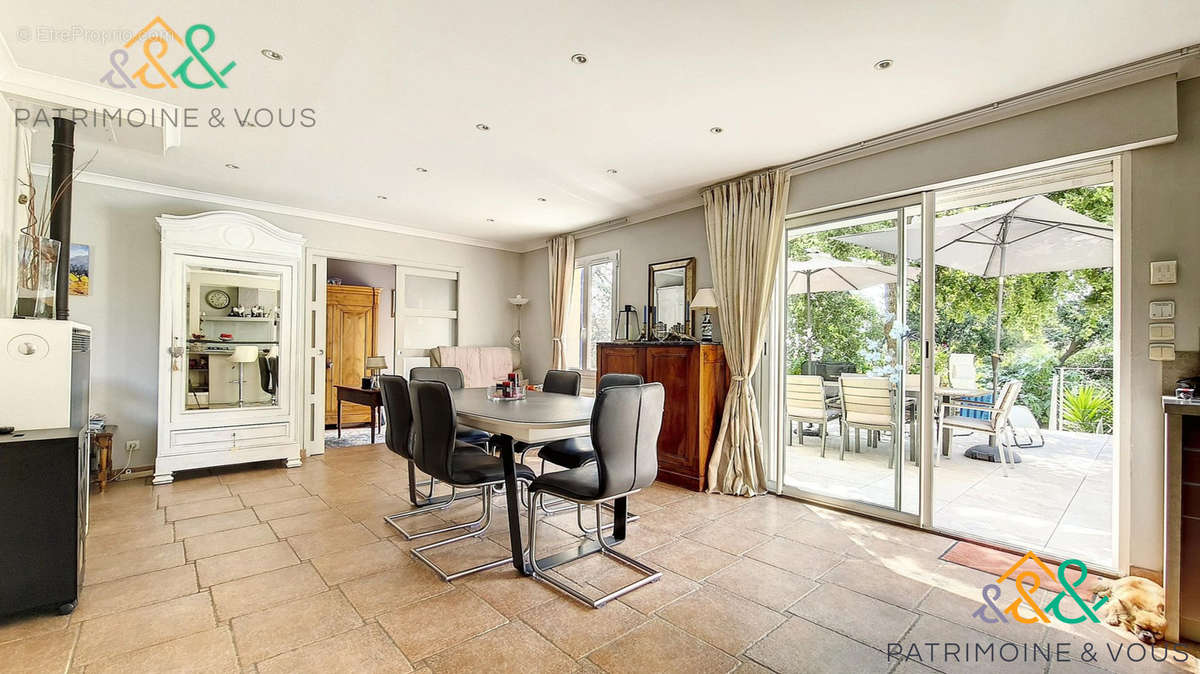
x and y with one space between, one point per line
773 380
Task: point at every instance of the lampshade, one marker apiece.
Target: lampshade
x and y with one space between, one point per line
704 299
376 363
244 354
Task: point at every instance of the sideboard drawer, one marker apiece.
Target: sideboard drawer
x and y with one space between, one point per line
213 439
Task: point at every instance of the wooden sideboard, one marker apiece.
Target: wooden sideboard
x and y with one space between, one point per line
696 379
1181 549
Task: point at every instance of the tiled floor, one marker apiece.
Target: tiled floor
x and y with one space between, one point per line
1058 500
263 569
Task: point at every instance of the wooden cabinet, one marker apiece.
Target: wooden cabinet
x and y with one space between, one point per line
695 379
1181 549
351 322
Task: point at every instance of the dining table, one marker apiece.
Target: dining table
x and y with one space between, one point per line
536 419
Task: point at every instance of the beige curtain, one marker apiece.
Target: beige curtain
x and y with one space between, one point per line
744 221
562 267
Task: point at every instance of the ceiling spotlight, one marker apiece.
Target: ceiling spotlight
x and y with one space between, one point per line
482 127
611 172
421 169
272 54
542 199
579 58
884 64
491 219
381 196
232 166
716 129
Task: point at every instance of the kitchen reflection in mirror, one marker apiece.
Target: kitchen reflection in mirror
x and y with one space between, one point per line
233 339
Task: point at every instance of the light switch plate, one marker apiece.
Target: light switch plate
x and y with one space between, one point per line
1162 272
1162 332
1162 352
1162 310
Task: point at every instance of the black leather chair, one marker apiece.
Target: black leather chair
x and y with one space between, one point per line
566 382
453 378
437 451
626 421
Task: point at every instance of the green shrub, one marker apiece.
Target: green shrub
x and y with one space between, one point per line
1087 408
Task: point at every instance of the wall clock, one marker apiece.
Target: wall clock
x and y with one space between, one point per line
217 299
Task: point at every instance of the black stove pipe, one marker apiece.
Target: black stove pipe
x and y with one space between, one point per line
62 168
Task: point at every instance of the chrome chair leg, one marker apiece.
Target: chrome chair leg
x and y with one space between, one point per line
486 520
409 536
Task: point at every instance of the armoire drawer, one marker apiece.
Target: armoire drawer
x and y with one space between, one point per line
210 439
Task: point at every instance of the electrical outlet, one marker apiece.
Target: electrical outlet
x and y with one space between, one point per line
132 445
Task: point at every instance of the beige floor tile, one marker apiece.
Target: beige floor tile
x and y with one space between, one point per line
461 616
796 557
855 615
203 492
31 623
212 506
801 647
374 508
647 598
467 554
145 537
577 629
134 591
49 652
308 522
331 540
339 567
125 522
760 582
672 521
263 482
366 650
251 561
727 537
102 568
209 652
297 623
296 506
825 536
393 589
513 648
959 609
709 505
254 593
660 647
689 559
722 619
351 493
141 627
256 497
208 524
508 591
769 521
877 581
932 629
221 542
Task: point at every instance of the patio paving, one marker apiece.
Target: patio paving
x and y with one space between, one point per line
1058 500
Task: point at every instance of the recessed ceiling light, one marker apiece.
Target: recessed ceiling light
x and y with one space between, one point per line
381 196
421 169
491 219
611 172
884 64
482 127
542 199
716 129
579 58
272 54
232 166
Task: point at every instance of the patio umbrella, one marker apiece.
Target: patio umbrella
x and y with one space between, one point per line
824 273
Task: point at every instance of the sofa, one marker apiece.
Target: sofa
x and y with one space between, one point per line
481 365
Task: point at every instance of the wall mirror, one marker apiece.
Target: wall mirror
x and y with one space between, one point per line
232 338
671 288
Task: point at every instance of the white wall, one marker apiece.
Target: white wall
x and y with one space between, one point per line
382 276
123 307
669 237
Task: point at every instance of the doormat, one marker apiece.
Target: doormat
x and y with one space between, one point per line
997 562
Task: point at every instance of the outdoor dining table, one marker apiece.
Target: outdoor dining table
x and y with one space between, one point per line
539 418
944 394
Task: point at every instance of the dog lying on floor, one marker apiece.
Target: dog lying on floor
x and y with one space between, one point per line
1137 604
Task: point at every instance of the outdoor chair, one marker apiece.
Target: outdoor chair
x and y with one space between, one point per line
962 370
806 404
996 422
867 405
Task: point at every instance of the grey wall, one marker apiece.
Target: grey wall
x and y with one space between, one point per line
382 276
1164 193
123 307
664 238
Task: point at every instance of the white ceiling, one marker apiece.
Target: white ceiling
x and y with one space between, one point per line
401 85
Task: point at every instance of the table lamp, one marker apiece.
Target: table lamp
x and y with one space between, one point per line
242 355
373 365
705 299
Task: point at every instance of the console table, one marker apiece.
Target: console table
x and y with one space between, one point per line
369 397
102 442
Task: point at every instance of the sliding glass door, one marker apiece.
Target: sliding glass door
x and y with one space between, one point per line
849 358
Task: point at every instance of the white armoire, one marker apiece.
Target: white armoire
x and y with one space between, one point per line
230 337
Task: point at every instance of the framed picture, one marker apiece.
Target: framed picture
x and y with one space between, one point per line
80 273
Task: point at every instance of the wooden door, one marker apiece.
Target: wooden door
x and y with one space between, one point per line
675 368
619 359
350 336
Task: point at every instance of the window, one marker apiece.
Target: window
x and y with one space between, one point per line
591 309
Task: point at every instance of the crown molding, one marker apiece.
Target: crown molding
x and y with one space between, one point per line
670 208
117 182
